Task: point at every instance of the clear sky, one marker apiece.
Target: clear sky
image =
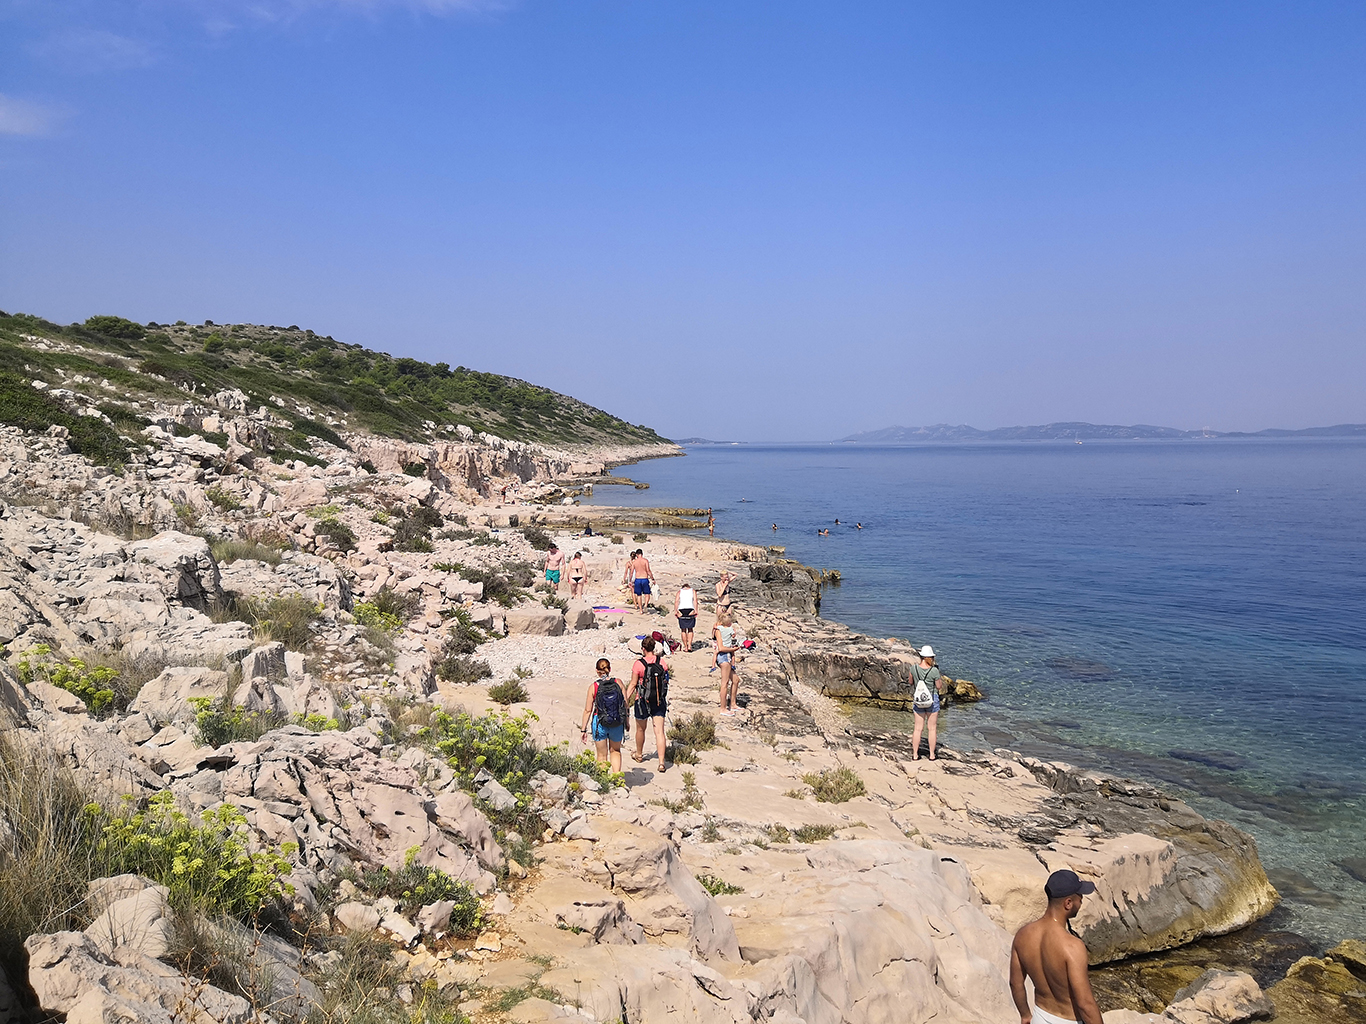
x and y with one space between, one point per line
753 220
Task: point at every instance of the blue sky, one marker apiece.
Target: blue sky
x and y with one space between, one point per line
781 221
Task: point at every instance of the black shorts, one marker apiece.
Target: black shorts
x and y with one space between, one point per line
644 709
687 623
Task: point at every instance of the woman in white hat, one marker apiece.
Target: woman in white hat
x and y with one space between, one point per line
926 685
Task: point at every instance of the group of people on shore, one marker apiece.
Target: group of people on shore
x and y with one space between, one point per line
1046 952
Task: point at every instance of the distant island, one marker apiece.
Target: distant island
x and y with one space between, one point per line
698 440
944 432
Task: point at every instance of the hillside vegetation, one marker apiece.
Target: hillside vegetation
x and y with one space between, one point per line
121 365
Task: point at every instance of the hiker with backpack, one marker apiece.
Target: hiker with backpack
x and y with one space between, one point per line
926 685
605 713
650 683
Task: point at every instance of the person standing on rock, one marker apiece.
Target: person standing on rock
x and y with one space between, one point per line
554 562
577 572
685 610
726 647
604 711
926 685
641 578
1050 954
650 683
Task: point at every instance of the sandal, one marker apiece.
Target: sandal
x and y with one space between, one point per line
637 759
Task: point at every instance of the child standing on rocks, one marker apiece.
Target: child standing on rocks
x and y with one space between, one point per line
605 711
726 647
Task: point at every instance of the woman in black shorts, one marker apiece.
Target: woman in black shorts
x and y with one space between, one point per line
685 609
650 682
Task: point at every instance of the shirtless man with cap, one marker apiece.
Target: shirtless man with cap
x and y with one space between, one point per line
1051 955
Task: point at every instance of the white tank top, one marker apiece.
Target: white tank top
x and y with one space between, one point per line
687 600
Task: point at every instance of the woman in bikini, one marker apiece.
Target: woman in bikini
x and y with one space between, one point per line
577 571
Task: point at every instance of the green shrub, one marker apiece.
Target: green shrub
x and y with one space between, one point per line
390 602
537 538
698 732
187 514
497 586
464 637
510 691
224 501
115 327
414 887
689 800
316 722
47 857
225 552
414 531
208 867
778 834
834 785
96 686
813 833
288 619
341 535
367 614
640 538
382 517
718 886
463 669
218 721
502 744
618 539
682 754
415 469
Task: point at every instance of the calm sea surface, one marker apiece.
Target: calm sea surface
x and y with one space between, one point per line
1190 612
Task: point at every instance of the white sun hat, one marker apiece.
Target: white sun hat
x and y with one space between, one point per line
927 651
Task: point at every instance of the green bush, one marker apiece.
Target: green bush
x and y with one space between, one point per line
463 669
835 785
94 685
208 867
23 406
502 744
813 833
288 619
367 614
537 538
415 469
225 552
341 535
698 732
224 501
414 531
718 886
116 327
414 887
497 586
640 538
510 691
218 721
464 637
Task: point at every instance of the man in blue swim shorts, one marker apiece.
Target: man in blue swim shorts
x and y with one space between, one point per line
641 575
554 562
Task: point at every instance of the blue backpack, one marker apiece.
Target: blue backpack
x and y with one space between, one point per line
609 704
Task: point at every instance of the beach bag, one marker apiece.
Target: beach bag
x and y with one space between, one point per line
655 684
609 704
923 697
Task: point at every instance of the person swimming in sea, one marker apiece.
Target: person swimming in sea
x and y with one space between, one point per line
775 526
858 526
837 522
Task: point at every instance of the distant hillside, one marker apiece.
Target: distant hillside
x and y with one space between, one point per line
943 432
345 387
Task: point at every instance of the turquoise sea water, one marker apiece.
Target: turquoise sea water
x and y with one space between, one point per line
1190 612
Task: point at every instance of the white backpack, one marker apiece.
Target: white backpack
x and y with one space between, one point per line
923 697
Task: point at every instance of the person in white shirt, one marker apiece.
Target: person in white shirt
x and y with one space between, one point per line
685 610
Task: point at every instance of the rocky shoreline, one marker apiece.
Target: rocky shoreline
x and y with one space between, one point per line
305 653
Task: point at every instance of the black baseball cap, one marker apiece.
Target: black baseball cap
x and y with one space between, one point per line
1067 883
